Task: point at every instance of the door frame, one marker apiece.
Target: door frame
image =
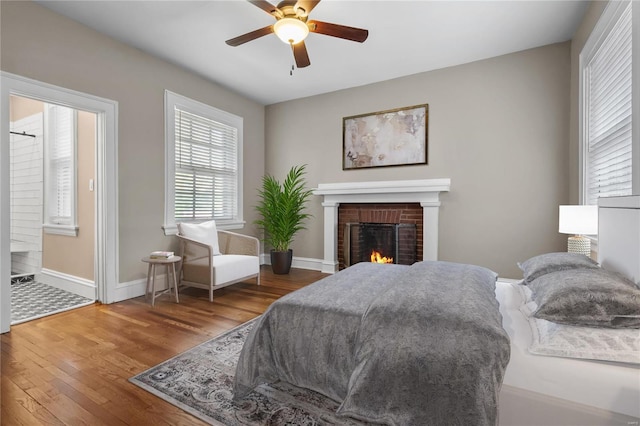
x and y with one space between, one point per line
106 186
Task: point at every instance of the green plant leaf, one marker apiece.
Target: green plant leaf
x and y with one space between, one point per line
282 208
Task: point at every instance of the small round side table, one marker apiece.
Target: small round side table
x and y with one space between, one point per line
170 264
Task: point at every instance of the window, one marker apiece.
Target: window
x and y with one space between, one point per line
203 148
60 167
606 107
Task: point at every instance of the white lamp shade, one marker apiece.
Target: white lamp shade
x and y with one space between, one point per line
291 30
578 220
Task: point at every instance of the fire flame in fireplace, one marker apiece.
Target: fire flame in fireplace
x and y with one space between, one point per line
376 257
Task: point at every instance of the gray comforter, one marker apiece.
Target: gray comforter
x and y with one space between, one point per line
402 345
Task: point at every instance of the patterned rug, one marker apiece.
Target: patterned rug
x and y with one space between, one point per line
32 299
200 381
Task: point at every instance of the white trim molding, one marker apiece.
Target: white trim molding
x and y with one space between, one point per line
423 191
171 102
68 230
297 262
106 246
607 21
76 285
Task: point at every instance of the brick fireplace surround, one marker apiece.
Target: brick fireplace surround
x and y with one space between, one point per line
378 213
381 202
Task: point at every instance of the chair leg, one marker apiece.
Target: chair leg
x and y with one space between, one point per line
179 277
258 279
211 281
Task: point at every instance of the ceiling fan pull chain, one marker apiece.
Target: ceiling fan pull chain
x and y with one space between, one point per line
292 67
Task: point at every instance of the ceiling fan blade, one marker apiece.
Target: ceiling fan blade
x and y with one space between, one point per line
266 6
301 55
237 41
307 5
340 31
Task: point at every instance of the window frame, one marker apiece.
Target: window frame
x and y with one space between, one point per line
171 101
607 21
61 225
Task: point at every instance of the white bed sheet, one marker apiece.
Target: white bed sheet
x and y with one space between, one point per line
606 385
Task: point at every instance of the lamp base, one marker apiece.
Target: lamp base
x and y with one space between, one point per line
579 244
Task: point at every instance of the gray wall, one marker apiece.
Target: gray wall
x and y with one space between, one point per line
45 46
499 128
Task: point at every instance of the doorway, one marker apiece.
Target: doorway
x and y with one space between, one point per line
52 165
106 229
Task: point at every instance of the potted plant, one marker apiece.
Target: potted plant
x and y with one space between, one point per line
282 209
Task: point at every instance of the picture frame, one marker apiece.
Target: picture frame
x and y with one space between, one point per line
395 137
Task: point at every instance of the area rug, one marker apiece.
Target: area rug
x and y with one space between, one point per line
200 381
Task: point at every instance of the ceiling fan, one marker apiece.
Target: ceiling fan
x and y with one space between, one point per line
292 27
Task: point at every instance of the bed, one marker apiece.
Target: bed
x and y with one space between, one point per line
531 389
420 344
545 390
536 390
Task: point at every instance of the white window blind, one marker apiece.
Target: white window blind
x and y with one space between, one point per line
607 85
206 169
203 164
60 141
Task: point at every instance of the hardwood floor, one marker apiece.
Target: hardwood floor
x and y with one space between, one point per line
73 368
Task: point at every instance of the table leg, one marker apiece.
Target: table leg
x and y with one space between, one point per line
175 281
153 293
148 289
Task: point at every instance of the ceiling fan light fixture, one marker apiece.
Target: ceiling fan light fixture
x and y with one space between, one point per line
291 30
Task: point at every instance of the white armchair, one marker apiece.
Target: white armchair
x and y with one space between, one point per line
213 259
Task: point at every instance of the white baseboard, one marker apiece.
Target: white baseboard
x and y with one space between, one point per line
298 262
329 267
307 263
76 285
137 288
132 289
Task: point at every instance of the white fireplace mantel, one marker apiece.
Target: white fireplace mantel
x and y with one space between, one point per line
423 191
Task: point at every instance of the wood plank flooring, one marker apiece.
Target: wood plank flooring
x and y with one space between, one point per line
72 368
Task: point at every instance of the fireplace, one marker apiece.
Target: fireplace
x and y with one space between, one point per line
380 243
423 193
380 218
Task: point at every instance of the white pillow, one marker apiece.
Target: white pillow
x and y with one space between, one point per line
205 233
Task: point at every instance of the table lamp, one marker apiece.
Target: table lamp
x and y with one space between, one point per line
578 221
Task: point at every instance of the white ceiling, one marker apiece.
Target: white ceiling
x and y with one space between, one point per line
405 37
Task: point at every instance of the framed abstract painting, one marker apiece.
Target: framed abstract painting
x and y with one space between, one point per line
396 137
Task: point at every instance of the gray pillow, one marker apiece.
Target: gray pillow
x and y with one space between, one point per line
551 262
587 297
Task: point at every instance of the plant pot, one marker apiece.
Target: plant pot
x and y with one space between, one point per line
281 261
